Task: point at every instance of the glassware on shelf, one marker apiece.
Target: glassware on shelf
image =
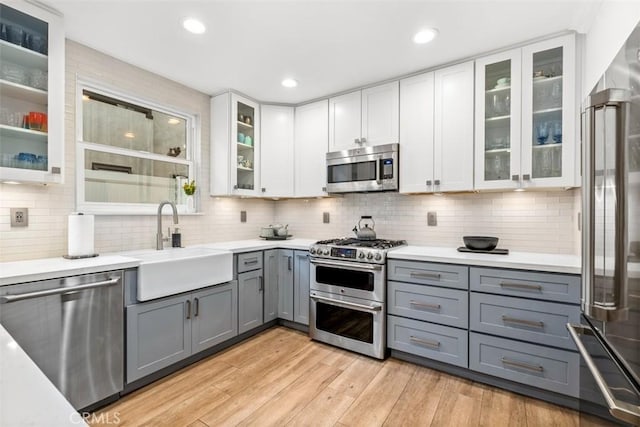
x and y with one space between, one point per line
542 132
556 132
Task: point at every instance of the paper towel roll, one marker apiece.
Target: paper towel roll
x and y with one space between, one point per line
80 235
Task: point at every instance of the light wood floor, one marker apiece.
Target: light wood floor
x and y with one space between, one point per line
282 378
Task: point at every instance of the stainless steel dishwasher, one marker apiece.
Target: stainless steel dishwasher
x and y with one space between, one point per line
73 329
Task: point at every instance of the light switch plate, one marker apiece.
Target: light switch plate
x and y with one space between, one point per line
243 216
19 217
325 217
432 219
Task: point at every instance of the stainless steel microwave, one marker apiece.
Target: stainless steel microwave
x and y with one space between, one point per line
363 169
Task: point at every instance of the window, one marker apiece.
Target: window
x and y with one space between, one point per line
131 154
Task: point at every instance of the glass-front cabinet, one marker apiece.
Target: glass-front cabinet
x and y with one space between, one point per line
235 146
525 117
32 94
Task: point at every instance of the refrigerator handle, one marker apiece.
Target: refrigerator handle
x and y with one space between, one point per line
601 103
622 410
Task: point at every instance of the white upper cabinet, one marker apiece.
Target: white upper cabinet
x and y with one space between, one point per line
32 94
453 128
366 117
436 131
526 117
276 151
235 146
311 145
416 133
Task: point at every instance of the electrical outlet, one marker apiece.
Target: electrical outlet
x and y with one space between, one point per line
325 217
19 217
243 216
432 219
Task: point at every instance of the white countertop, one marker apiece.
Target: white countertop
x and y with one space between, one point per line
520 260
27 397
238 246
51 268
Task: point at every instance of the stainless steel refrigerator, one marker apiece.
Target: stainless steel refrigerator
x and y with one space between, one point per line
609 336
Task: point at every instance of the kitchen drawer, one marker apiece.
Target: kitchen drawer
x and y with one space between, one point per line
249 261
535 365
439 305
536 321
436 342
547 286
427 273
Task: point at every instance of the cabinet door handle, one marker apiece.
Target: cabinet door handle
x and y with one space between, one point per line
422 341
188 309
415 275
363 140
515 177
261 283
357 140
289 263
523 365
436 182
196 310
324 189
526 177
235 187
426 305
533 323
264 190
429 182
521 286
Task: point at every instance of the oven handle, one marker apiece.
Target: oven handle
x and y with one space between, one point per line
346 304
347 265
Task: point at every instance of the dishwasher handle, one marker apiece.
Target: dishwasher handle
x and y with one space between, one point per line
5 299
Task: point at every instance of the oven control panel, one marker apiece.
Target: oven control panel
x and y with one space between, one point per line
348 254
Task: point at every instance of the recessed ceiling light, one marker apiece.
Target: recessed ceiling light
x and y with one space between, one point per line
193 26
173 121
425 36
289 83
129 135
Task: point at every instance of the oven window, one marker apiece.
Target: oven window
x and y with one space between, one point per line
349 172
362 280
345 322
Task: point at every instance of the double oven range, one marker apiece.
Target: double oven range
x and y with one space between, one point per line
348 293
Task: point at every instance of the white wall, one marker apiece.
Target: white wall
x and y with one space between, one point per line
614 22
536 221
524 221
46 235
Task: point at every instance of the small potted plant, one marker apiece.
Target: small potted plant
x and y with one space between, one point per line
189 189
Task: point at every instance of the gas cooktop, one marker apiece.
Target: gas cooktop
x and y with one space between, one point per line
351 249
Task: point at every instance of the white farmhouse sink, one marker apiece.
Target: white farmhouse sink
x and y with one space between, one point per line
176 270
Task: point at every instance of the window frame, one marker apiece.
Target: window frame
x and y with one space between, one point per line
193 143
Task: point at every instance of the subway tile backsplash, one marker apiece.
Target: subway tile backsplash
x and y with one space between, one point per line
529 221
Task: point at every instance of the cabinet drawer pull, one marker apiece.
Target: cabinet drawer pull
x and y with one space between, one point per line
415 275
533 323
426 305
188 309
425 342
521 286
196 310
523 365
251 261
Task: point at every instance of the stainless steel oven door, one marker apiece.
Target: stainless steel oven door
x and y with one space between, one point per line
354 279
348 323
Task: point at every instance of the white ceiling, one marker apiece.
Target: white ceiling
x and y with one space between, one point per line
328 46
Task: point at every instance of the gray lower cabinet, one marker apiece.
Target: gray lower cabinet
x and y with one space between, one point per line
285 284
535 365
163 332
271 297
250 300
301 282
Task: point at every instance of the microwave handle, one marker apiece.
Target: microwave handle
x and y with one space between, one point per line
378 171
